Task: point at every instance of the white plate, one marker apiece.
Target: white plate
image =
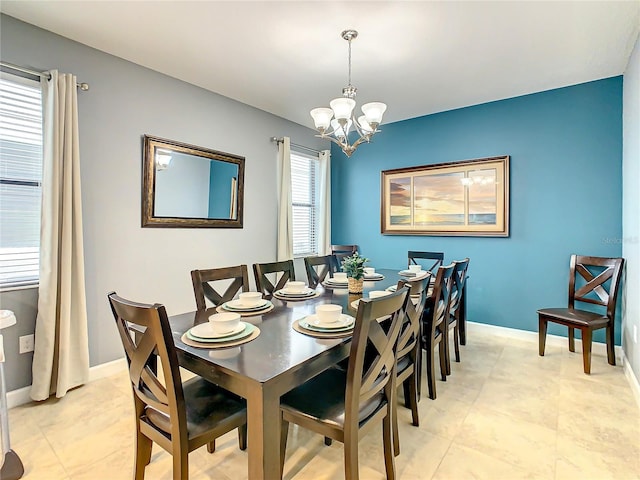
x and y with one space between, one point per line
307 292
336 282
344 321
205 330
375 276
238 305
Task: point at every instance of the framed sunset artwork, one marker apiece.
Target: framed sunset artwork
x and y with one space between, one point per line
469 198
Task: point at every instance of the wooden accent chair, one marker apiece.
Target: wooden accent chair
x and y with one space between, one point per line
262 270
344 405
341 251
318 268
456 308
408 350
435 320
179 417
203 289
592 280
436 259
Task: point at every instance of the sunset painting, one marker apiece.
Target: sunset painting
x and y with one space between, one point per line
458 198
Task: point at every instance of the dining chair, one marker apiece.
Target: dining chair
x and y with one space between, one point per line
345 405
282 271
435 259
593 280
203 289
456 308
180 417
408 357
434 326
318 268
342 251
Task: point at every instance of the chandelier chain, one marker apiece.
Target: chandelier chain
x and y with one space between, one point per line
349 62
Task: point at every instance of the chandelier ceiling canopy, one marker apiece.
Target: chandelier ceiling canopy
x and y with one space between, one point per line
337 122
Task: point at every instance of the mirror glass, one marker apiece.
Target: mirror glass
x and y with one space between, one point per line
189 186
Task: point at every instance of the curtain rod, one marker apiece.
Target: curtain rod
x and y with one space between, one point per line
82 86
280 140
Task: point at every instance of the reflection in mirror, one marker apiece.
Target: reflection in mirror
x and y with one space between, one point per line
189 186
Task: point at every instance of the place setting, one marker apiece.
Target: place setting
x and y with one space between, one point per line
371 274
247 304
295 291
372 294
327 322
339 280
414 272
221 331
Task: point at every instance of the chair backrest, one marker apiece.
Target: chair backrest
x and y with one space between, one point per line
146 336
202 287
372 357
318 268
410 333
437 316
595 280
459 283
435 259
342 251
283 271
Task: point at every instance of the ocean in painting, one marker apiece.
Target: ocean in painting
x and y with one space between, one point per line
482 219
447 219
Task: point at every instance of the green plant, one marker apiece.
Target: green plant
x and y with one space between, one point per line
354 266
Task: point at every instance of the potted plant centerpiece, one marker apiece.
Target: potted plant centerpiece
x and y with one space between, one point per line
353 266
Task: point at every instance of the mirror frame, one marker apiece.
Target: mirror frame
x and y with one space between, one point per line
149 185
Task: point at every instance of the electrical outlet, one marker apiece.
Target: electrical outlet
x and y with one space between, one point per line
635 334
27 343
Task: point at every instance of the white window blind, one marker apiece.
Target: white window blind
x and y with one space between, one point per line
304 178
20 181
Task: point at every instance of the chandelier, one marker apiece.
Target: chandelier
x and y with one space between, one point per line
338 129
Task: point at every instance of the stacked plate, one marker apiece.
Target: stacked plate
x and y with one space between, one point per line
312 323
239 307
412 275
284 294
333 283
374 276
204 333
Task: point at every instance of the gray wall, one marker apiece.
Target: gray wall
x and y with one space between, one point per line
125 102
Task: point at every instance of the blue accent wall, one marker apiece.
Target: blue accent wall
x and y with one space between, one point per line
565 186
220 175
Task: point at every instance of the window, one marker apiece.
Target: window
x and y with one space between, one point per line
20 181
304 175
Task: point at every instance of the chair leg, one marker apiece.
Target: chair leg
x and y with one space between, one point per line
387 432
406 393
396 433
442 352
284 433
431 370
542 335
456 344
181 464
447 356
419 371
413 397
328 441
242 437
211 446
143 455
572 341
611 354
351 457
586 350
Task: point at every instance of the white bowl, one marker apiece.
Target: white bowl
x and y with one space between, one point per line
415 268
328 313
224 322
295 287
369 270
340 276
250 299
378 293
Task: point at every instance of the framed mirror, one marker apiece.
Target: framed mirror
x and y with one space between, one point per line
186 186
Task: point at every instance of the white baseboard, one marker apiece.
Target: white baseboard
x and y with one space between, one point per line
21 396
632 379
597 348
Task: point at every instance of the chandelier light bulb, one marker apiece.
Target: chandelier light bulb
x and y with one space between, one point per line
373 112
322 117
342 107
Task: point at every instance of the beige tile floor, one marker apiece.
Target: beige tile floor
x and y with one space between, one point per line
504 413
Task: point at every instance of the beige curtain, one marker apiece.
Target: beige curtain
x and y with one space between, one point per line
324 202
61 356
285 209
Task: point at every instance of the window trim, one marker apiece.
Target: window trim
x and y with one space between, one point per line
314 205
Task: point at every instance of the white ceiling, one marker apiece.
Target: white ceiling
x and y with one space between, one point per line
419 57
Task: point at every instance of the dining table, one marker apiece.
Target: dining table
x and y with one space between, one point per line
279 359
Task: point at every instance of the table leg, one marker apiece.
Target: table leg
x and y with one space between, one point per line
263 428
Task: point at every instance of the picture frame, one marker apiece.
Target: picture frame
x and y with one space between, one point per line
465 198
